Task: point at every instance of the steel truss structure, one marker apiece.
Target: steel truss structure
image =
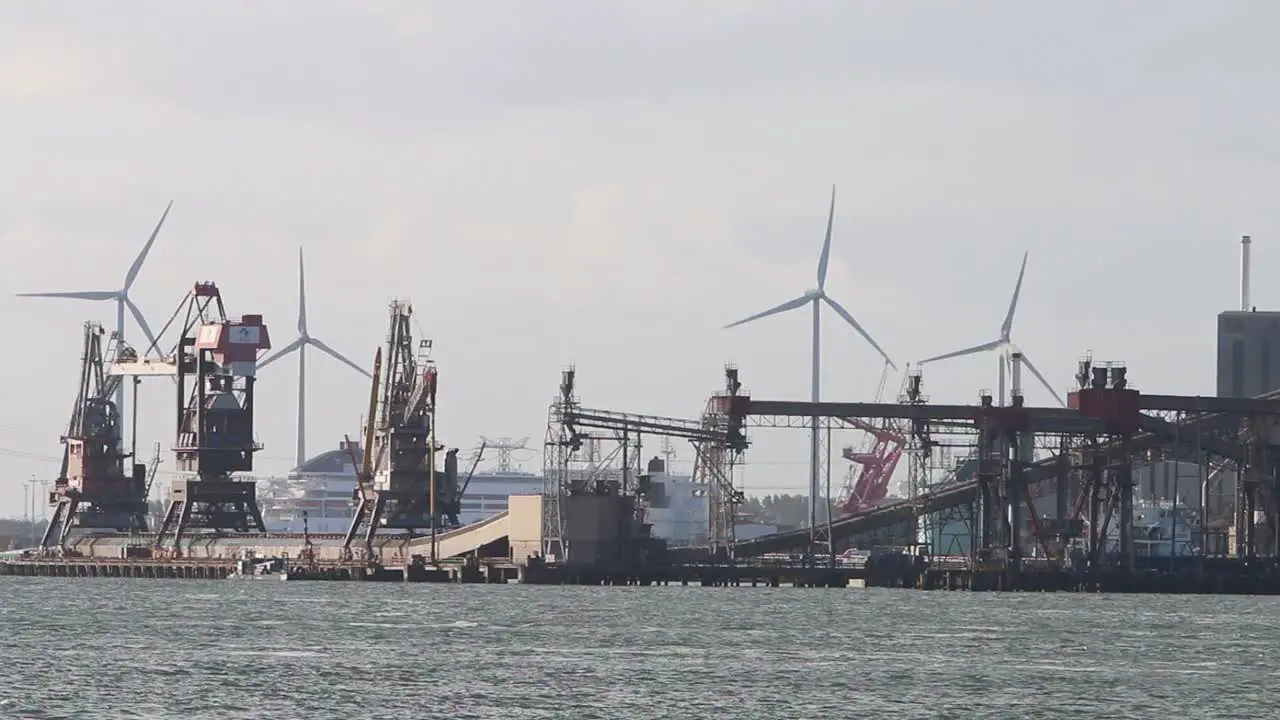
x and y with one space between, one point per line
593 451
398 484
872 467
1088 448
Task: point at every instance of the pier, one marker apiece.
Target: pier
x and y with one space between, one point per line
1192 576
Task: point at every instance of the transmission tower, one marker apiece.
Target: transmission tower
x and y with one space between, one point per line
505 446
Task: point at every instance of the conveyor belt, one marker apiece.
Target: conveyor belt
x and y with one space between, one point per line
449 543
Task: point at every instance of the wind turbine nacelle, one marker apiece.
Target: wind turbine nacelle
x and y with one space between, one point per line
235 344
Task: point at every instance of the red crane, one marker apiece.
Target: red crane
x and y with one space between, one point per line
870 485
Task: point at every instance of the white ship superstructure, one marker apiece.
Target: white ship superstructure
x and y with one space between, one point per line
676 509
1160 529
323 488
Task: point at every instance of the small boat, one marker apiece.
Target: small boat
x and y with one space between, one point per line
256 568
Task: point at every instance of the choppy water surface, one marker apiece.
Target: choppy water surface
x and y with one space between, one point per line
264 649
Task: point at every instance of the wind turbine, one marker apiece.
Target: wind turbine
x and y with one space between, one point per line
122 299
816 297
1004 345
300 345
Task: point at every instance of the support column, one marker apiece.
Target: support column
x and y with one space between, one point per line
987 480
1123 478
1094 488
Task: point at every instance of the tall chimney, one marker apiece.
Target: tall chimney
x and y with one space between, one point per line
1245 242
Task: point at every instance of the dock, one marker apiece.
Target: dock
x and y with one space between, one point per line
1227 576
485 572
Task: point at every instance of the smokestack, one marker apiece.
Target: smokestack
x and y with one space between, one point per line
1245 242
1015 390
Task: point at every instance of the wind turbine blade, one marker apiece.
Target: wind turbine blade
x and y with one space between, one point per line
91 295
302 297
142 256
1007 327
826 244
281 352
788 305
142 324
865 335
1027 362
984 347
338 356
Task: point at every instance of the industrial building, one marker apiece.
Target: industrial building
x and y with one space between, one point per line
1248 341
1248 353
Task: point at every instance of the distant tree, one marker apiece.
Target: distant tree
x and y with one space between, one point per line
752 506
785 510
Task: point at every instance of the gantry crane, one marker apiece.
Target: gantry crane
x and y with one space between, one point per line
215 364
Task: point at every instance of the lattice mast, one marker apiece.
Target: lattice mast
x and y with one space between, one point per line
713 466
95 488
919 441
558 447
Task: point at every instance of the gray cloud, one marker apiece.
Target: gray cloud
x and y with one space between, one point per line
353 64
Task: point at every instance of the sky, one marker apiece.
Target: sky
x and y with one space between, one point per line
609 184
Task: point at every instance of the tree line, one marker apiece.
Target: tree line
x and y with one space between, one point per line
784 510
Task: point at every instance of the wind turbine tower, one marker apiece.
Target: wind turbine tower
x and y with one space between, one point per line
816 297
300 346
122 300
1004 347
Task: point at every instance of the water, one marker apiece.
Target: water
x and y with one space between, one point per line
268 649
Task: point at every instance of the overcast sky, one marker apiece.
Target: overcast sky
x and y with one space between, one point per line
610 183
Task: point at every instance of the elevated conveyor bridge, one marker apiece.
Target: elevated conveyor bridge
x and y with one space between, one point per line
485 537
1207 425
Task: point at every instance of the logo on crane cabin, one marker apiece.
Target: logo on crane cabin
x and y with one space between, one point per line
236 343
245 334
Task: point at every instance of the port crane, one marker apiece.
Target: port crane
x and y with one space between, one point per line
214 366
95 487
398 486
870 486
877 461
